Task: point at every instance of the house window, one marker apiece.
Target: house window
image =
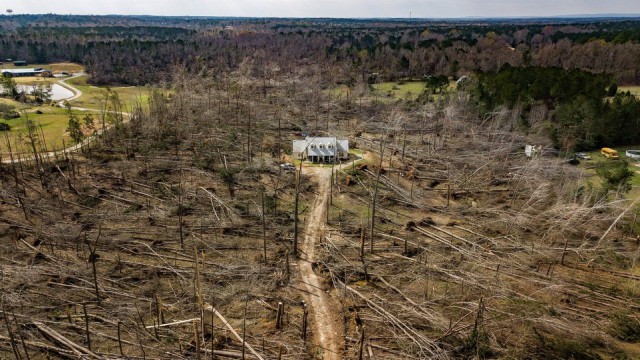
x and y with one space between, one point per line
313 146
329 146
321 146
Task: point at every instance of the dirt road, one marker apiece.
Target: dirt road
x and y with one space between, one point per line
324 310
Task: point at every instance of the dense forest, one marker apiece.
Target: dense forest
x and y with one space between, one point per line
586 110
142 50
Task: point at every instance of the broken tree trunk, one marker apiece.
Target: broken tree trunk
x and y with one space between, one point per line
226 323
279 315
77 349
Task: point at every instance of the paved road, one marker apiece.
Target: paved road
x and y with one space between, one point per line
76 92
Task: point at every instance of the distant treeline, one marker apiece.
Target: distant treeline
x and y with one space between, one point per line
584 110
144 49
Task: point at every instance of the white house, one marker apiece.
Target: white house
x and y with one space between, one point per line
321 149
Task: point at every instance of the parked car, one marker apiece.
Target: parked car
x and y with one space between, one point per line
583 156
288 167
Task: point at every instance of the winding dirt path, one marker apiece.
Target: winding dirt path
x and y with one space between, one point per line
324 310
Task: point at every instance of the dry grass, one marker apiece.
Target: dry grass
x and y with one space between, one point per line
512 253
93 96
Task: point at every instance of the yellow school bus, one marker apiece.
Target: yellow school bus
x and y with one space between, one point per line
609 153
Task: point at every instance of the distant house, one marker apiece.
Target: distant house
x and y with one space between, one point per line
26 72
321 149
19 63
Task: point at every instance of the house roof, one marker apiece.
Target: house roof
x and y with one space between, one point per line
25 70
299 146
317 139
320 146
343 145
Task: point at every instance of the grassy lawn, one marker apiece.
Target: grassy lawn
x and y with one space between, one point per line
386 91
18 105
391 90
29 80
408 90
597 158
92 96
54 126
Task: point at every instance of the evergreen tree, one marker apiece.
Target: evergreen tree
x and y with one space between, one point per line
615 175
74 128
9 86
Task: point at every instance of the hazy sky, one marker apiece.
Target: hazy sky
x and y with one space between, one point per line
328 8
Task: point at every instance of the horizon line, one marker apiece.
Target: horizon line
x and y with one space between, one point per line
481 17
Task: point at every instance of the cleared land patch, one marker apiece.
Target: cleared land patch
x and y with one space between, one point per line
93 96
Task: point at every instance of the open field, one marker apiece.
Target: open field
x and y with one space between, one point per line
53 121
31 80
386 91
93 96
408 90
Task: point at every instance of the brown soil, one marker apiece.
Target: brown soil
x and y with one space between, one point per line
325 321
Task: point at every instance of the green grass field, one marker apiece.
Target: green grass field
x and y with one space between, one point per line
597 158
391 90
386 91
53 121
407 90
93 96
